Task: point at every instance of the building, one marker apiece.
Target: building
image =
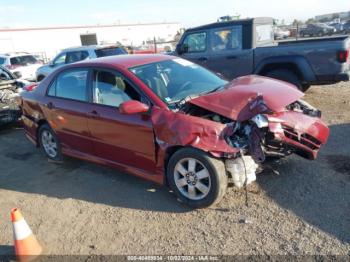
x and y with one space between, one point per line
50 40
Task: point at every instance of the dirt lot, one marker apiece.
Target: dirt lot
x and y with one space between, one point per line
81 208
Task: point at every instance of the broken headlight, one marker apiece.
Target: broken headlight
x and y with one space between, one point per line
260 121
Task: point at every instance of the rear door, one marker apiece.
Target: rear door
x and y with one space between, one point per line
76 56
197 47
127 140
67 103
227 55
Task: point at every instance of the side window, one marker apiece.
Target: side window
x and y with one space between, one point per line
70 84
60 59
112 89
77 56
196 42
2 60
226 39
264 34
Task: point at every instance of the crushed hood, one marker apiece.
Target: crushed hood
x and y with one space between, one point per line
239 98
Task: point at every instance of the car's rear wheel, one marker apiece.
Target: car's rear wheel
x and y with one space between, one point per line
50 143
196 178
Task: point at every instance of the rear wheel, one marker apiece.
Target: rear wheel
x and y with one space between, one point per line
196 178
286 75
50 143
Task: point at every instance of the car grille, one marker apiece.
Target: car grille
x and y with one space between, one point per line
305 139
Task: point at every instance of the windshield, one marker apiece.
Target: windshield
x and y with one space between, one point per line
174 80
110 51
23 60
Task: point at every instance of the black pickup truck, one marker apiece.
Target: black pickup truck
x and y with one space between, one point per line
247 46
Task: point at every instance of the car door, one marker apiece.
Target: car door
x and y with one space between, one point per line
195 45
127 140
67 104
227 55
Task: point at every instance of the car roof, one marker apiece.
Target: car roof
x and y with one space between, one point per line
88 47
256 20
14 54
127 61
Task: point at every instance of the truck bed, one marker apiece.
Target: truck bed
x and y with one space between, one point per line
320 53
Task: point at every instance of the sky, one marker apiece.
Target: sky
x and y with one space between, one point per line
43 13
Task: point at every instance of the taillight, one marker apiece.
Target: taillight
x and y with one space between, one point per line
30 87
343 56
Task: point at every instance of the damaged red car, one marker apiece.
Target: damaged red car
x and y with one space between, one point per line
170 121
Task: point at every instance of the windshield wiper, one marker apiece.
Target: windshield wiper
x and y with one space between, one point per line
182 101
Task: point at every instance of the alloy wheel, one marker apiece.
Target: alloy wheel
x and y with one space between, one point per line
49 143
192 179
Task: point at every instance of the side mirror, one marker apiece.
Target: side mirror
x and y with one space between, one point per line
181 49
133 107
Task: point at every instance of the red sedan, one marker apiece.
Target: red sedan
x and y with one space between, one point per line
170 121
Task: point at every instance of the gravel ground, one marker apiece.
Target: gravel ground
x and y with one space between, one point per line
81 208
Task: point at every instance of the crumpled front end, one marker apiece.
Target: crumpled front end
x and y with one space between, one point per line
251 119
292 132
9 110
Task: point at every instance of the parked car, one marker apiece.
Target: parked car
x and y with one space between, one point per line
247 46
280 33
10 87
317 29
23 64
170 121
76 54
338 27
346 28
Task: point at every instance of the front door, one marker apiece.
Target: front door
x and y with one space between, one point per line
196 48
123 139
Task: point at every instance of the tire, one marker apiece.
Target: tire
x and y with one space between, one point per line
287 76
207 171
49 143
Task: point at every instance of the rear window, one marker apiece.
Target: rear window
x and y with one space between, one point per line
23 60
110 51
264 34
2 60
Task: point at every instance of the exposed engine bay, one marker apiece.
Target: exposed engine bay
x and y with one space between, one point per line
9 93
253 138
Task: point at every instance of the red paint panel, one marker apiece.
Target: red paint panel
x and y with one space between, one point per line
233 101
179 129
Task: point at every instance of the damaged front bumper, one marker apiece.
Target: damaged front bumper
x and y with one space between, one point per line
296 133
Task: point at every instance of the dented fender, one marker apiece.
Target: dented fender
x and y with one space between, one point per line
178 129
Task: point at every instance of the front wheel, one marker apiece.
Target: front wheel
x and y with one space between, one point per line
50 143
196 178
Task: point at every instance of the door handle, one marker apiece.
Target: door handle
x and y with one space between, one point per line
50 105
202 59
94 114
231 57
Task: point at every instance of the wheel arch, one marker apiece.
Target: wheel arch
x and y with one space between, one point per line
40 123
297 64
169 152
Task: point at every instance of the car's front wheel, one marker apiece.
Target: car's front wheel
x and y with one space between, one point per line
50 143
196 178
